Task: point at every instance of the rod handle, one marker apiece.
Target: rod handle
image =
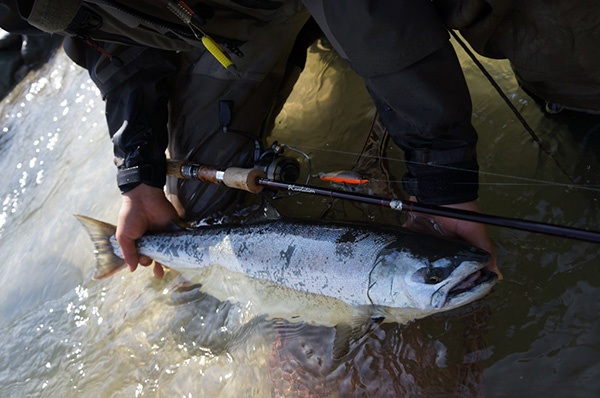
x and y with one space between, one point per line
246 179
232 177
174 168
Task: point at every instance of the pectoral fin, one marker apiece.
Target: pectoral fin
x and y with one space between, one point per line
348 337
187 294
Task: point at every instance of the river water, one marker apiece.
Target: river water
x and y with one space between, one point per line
65 335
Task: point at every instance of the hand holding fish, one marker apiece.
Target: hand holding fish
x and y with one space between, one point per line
470 232
144 209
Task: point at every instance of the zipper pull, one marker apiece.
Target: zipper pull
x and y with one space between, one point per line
116 61
185 13
191 19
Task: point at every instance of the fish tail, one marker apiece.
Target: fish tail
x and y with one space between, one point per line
107 261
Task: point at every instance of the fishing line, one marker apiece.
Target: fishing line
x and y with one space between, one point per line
528 128
593 188
533 181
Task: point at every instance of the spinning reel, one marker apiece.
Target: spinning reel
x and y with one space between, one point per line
271 161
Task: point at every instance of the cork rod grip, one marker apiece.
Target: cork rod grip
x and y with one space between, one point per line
235 177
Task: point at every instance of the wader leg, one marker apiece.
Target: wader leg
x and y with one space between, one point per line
195 133
402 50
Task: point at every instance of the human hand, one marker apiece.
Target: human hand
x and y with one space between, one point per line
470 232
143 209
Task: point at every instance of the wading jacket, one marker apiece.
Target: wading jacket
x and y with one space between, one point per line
399 47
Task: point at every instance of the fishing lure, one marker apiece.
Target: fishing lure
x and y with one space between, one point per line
347 177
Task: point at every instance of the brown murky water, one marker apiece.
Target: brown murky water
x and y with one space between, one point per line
65 335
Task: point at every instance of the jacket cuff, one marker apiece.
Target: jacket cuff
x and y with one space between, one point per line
450 185
153 175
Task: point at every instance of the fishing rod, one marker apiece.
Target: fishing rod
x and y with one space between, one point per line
253 180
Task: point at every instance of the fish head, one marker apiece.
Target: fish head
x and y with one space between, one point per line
444 276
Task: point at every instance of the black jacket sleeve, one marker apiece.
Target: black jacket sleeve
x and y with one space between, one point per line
427 109
136 93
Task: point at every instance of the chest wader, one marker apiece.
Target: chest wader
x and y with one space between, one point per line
195 132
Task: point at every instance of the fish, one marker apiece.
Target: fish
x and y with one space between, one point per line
349 276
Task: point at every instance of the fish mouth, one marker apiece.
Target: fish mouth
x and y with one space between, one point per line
471 288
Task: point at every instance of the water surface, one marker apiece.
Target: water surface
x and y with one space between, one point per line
65 335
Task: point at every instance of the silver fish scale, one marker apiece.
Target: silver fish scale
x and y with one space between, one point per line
327 260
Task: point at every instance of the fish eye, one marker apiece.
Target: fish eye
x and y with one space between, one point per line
431 275
434 276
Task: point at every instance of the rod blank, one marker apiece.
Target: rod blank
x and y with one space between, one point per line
253 180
